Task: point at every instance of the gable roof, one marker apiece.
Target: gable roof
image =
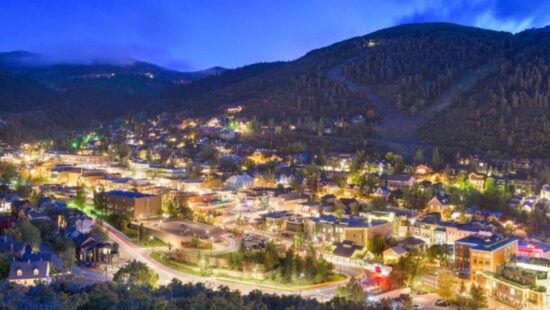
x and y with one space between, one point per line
27 270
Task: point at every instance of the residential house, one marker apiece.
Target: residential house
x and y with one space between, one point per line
477 180
238 182
392 255
29 273
397 181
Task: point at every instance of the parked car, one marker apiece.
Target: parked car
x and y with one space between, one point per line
442 303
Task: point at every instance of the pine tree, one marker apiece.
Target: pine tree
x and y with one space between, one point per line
436 160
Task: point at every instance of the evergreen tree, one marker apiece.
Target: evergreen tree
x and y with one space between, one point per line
436 160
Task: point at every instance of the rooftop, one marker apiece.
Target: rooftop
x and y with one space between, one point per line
128 194
488 243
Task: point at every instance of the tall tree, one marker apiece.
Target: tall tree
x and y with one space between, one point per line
419 156
80 198
136 273
30 234
436 159
100 204
446 285
478 300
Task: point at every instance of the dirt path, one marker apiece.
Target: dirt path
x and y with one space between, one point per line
398 129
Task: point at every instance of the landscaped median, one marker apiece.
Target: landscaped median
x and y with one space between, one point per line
224 275
339 279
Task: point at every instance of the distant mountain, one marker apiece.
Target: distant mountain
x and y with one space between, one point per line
39 97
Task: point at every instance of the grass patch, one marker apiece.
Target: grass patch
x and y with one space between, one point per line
148 243
273 283
176 266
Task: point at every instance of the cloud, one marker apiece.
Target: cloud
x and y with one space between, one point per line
505 15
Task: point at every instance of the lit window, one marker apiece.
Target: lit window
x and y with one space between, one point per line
19 272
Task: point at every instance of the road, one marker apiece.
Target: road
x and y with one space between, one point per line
166 274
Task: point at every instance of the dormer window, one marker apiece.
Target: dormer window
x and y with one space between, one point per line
35 271
19 272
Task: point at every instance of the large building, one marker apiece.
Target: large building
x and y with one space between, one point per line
133 204
358 230
483 252
521 284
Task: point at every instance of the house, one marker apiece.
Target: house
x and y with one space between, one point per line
29 273
422 170
91 248
438 203
397 181
344 253
392 255
477 180
275 221
291 202
238 182
410 243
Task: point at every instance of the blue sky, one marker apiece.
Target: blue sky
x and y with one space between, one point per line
197 34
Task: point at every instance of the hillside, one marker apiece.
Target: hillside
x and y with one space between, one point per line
433 84
39 99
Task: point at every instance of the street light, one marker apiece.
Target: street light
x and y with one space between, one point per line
151 239
301 277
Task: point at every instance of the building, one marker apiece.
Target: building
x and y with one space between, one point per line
29 273
91 248
521 284
133 204
238 182
397 181
483 252
392 255
545 192
534 249
357 230
439 203
477 180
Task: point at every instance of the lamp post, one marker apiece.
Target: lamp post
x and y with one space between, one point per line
301 277
151 238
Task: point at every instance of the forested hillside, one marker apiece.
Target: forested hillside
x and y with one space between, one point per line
508 112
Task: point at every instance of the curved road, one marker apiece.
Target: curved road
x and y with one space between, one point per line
166 274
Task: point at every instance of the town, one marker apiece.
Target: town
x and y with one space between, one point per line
231 201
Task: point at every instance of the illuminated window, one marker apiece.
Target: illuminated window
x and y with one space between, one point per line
35 271
19 272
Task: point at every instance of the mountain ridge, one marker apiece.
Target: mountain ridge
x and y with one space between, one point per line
407 67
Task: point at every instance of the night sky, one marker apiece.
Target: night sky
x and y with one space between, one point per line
197 34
